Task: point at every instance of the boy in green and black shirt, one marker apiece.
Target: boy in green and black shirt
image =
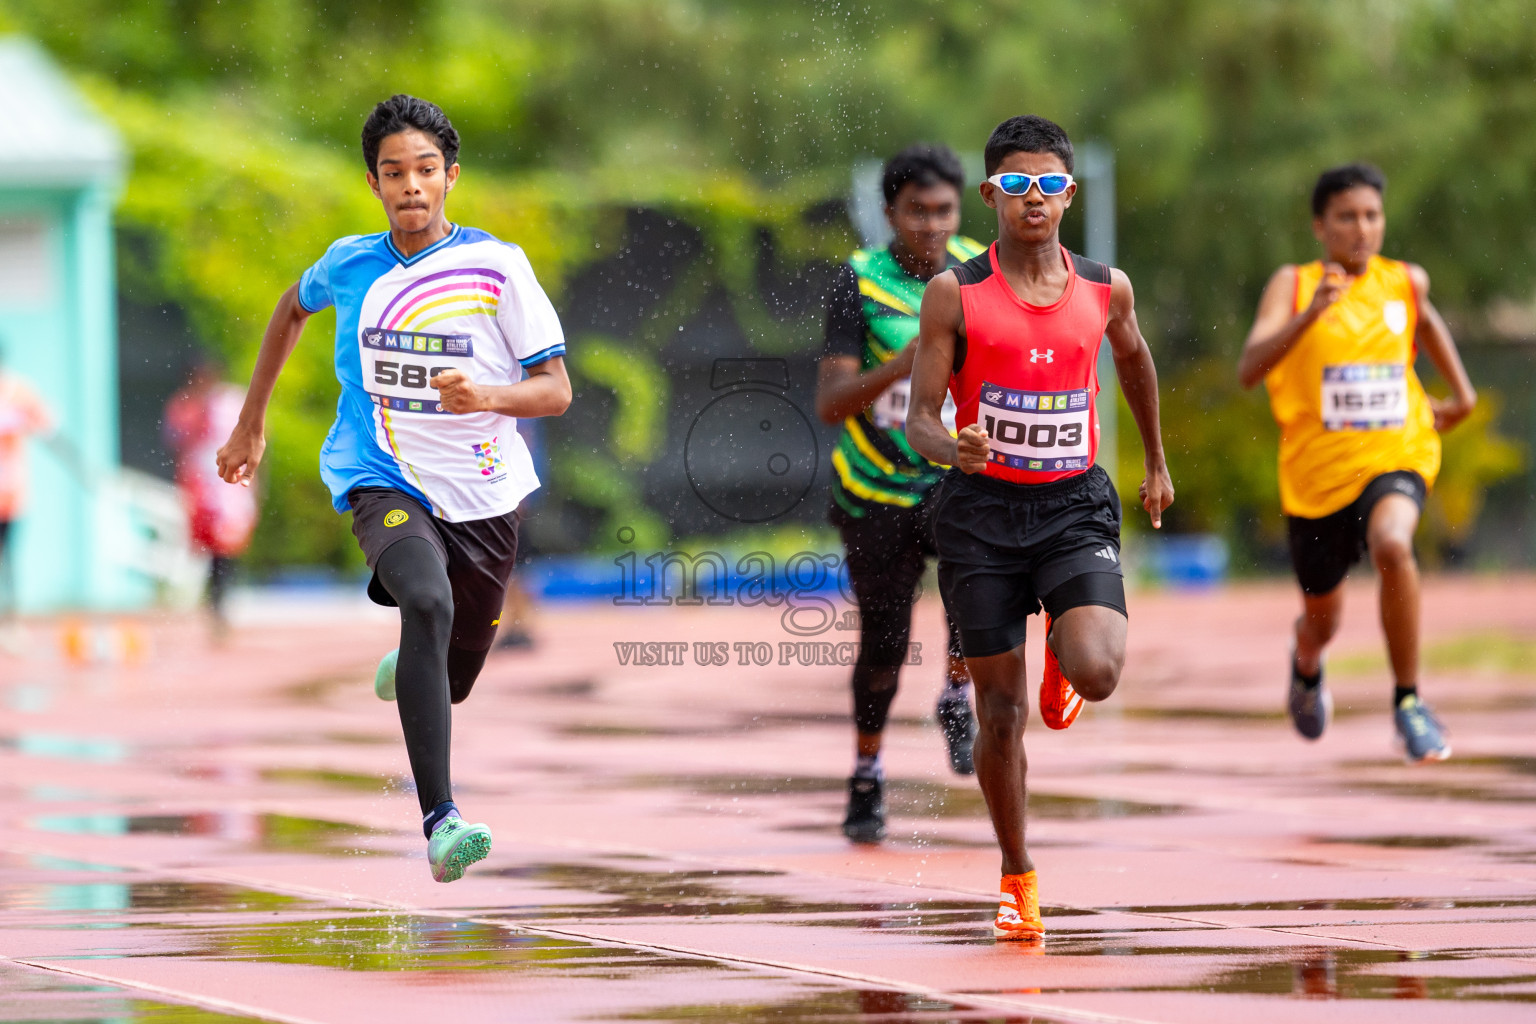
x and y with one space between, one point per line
880 485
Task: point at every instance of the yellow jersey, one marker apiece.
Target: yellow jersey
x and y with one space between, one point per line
1349 404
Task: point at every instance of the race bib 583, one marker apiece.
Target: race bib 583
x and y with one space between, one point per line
1365 396
1036 430
398 364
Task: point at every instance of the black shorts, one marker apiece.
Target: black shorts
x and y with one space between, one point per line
888 549
1322 550
1006 549
479 556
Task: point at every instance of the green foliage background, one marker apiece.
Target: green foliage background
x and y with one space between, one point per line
243 121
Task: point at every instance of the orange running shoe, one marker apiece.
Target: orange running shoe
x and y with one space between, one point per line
1059 703
1018 909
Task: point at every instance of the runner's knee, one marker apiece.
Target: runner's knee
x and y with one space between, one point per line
884 632
416 578
1001 714
1391 551
1095 677
429 603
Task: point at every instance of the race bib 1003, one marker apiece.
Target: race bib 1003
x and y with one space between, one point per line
1365 396
1036 430
398 364
890 409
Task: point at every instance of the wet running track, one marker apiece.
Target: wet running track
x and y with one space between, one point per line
191 835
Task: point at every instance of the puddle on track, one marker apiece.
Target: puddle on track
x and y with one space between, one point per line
1516 791
1337 974
846 1006
88 749
333 779
1403 842
147 898
692 894
386 941
909 798
42 997
266 832
1377 903
1209 714
257 926
1512 764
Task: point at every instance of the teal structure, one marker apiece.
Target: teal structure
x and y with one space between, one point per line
59 177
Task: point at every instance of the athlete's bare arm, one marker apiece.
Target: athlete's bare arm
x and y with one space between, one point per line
1276 327
843 391
1434 337
546 391
940 323
241 454
1138 380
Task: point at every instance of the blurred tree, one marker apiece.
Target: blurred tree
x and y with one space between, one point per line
737 117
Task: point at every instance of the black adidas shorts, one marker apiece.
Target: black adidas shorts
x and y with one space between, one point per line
479 555
1322 550
1006 550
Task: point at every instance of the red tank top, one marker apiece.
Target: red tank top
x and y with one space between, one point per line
1027 374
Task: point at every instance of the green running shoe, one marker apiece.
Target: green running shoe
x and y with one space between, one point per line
384 678
454 846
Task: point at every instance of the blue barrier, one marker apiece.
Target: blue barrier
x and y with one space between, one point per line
1187 560
628 579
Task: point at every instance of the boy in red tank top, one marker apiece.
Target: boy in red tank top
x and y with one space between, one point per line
1026 518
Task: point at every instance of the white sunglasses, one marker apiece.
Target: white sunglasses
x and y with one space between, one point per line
1051 183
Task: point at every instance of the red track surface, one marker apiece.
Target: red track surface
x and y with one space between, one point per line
229 830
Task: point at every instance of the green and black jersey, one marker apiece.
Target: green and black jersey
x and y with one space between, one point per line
872 316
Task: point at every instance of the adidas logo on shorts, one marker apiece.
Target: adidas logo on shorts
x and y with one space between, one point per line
1107 552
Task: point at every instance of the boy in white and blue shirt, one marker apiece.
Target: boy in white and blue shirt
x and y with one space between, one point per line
443 339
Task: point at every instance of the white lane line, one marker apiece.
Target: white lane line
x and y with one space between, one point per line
960 999
206 1002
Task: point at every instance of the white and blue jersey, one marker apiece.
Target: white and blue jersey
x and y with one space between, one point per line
468 303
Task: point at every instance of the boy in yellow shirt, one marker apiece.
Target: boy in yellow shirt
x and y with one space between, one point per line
1334 342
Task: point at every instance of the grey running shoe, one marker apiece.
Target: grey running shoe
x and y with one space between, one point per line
865 822
959 725
1311 707
1422 736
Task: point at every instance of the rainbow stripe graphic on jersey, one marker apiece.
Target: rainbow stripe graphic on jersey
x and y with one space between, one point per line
468 304
464 291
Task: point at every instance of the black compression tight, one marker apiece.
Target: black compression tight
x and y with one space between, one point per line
884 632
430 672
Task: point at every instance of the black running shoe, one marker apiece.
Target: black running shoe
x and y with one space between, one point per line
865 822
959 725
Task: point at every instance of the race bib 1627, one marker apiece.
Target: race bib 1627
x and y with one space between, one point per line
1365 396
1035 430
